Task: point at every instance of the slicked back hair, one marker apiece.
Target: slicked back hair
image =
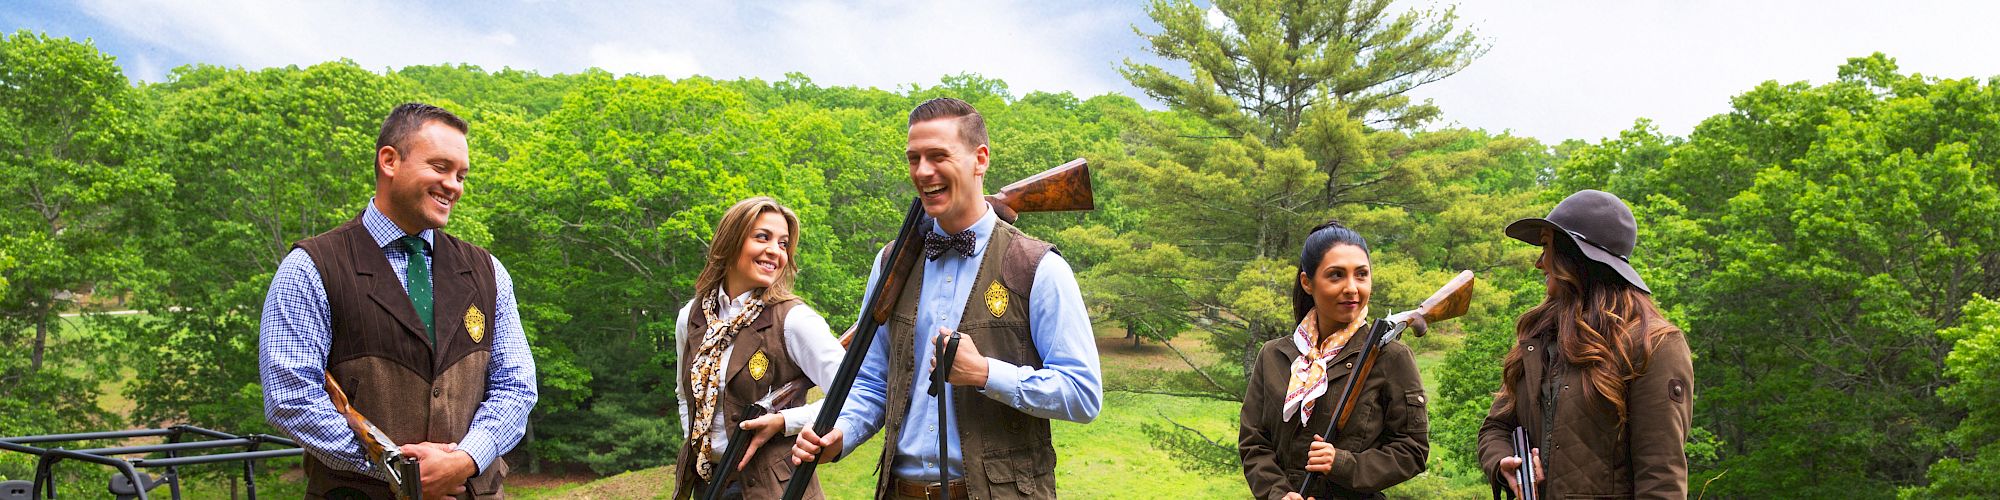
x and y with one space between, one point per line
971 126
1321 239
410 117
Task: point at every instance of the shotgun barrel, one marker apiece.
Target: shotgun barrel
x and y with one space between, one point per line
1525 475
784 396
896 265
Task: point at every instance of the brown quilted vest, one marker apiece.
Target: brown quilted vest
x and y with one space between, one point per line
769 468
383 358
1007 453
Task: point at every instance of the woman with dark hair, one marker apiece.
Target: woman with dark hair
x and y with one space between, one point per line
1386 439
1599 380
742 336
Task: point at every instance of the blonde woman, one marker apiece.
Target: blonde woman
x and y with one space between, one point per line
743 335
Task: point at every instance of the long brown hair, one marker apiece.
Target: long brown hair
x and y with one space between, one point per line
1597 318
735 226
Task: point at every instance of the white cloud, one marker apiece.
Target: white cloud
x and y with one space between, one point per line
1585 70
877 43
621 59
1558 68
265 34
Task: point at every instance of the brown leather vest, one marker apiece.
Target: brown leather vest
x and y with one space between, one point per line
1007 453
383 359
769 469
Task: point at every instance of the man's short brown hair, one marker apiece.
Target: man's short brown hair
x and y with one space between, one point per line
410 117
971 126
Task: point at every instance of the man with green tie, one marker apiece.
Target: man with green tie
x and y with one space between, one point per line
419 328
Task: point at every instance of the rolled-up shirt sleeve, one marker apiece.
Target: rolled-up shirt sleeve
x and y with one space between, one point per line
1068 385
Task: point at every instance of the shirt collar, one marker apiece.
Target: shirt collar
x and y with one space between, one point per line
982 230
384 230
739 301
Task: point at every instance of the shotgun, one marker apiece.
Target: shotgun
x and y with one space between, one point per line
1526 473
1065 187
1449 302
786 396
1060 189
402 470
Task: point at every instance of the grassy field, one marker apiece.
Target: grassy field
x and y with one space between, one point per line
1111 457
1108 458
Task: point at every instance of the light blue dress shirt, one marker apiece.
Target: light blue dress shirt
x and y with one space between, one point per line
1066 387
295 334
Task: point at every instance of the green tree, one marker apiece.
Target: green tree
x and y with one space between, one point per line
1971 468
1273 137
604 214
1816 240
76 184
1259 69
261 159
73 178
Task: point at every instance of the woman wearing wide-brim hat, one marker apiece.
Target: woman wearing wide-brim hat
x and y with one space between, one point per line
1601 382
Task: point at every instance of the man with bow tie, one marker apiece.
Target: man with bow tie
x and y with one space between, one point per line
1026 354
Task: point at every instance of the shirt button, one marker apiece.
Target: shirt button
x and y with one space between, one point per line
436 392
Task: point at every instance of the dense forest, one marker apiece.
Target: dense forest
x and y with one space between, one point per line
1831 249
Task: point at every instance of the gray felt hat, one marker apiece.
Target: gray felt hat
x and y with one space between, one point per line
1598 223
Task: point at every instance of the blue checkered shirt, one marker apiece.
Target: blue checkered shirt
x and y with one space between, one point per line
296 332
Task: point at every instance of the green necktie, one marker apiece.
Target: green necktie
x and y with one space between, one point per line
417 278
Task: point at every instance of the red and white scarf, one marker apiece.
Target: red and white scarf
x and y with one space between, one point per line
1308 380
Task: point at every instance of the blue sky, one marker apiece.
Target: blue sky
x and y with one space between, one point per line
1556 69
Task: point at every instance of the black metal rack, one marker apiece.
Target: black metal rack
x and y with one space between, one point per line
136 483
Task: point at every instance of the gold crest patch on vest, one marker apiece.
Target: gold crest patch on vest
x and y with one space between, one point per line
475 324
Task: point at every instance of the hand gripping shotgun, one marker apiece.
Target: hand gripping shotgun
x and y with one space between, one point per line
404 478
1449 302
1065 187
785 396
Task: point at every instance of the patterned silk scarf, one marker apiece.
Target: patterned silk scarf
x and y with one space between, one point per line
707 375
1308 381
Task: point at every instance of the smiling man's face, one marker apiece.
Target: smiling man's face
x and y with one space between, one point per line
947 173
421 182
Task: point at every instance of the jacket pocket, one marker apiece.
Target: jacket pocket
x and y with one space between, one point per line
1420 418
1022 466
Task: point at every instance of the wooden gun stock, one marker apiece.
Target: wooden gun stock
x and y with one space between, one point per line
1451 301
1064 188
